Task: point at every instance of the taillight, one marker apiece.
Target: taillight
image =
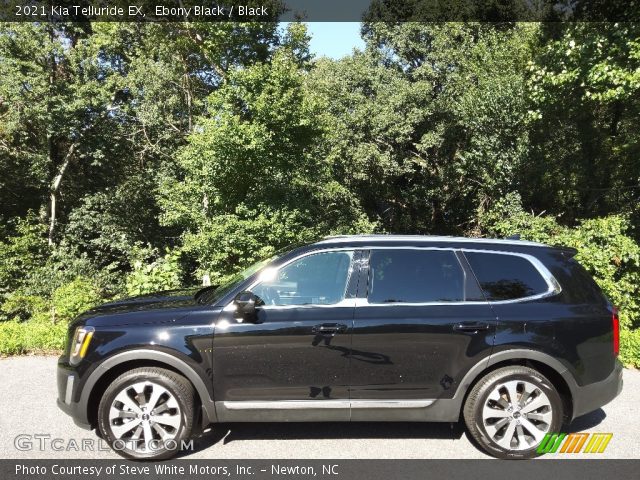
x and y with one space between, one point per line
616 331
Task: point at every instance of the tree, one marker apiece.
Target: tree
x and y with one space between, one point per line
427 123
584 87
92 113
56 115
254 159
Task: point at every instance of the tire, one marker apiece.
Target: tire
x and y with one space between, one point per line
146 413
512 430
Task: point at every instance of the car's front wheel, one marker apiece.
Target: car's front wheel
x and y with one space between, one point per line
510 410
147 413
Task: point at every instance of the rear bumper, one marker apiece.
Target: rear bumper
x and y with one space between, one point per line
591 397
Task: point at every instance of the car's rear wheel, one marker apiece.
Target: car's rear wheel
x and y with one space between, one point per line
510 410
147 413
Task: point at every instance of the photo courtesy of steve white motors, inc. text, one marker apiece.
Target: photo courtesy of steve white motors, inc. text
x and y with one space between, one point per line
162 469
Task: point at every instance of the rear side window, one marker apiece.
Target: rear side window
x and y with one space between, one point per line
414 276
506 277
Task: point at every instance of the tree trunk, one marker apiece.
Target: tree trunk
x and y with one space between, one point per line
55 189
51 150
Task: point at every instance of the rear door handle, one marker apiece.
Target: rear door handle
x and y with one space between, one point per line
329 328
471 327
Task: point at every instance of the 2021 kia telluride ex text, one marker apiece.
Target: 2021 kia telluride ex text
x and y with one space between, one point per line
514 337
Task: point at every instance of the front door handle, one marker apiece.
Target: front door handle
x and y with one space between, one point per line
329 328
471 327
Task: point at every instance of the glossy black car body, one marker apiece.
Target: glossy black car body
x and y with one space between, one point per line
354 360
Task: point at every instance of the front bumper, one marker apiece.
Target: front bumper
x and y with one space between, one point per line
67 384
588 398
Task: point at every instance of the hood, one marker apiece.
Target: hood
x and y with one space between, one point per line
151 308
150 301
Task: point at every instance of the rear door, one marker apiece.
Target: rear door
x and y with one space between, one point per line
420 324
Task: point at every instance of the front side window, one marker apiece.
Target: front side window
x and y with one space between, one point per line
317 279
506 277
414 276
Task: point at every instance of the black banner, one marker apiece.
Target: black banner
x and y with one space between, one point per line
544 468
321 10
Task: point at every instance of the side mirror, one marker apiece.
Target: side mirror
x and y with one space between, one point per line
245 305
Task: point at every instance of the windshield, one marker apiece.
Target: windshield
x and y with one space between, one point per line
213 294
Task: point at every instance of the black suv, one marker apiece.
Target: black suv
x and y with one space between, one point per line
515 337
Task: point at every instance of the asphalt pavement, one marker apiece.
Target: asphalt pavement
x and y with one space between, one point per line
32 426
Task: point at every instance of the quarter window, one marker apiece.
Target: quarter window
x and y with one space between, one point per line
414 276
506 277
317 279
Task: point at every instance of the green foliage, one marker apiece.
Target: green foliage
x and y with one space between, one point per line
73 298
252 178
630 347
20 254
38 335
152 273
174 150
254 147
228 243
584 102
604 248
66 302
20 307
427 123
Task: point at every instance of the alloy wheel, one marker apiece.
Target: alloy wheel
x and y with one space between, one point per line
144 416
517 414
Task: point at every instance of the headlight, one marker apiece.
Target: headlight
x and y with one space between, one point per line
80 344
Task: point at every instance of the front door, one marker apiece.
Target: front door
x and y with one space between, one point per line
294 359
421 326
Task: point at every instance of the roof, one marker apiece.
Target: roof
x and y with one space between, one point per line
381 238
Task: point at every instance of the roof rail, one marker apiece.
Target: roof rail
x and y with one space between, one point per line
426 238
570 252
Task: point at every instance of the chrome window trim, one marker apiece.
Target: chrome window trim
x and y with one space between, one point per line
554 287
344 303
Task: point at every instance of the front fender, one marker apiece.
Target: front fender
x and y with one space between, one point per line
157 356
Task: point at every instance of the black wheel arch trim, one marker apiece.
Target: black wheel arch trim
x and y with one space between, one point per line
208 405
450 409
516 354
